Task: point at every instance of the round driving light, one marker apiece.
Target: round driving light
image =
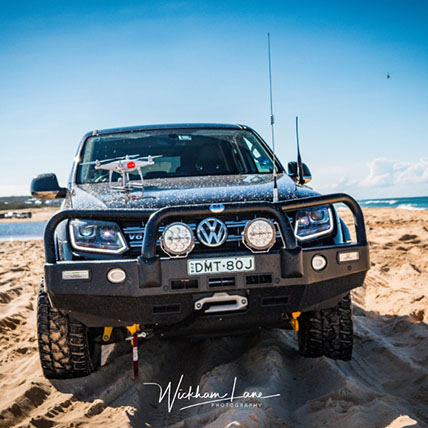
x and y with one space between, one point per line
177 239
116 275
259 234
319 262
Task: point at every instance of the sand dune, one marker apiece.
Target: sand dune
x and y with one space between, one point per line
385 384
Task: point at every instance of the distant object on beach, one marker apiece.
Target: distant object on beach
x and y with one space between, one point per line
14 203
16 214
30 214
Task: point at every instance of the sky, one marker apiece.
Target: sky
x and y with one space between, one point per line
70 67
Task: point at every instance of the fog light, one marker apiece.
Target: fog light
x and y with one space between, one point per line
75 274
319 262
259 234
177 239
352 256
116 275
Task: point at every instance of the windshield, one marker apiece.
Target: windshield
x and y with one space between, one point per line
175 153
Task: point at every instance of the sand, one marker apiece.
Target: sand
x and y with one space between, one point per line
385 384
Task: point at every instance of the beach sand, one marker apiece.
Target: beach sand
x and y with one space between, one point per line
385 384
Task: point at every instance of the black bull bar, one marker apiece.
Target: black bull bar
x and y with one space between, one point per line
148 251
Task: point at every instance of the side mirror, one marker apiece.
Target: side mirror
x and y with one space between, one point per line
45 186
293 172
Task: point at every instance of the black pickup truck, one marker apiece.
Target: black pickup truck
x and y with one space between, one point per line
174 230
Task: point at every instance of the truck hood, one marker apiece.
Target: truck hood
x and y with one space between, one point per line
159 193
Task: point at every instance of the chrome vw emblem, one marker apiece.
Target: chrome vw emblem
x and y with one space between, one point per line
212 232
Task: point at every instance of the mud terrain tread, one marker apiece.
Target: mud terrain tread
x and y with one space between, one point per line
64 347
328 332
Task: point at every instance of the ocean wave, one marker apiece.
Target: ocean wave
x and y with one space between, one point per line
381 201
409 207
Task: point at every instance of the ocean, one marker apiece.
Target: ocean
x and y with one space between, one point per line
22 231
416 203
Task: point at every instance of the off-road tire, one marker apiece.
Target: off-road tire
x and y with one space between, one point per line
328 332
65 348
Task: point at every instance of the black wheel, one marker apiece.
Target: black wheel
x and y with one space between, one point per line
328 332
65 348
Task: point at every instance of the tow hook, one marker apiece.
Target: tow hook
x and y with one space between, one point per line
133 329
107 333
294 321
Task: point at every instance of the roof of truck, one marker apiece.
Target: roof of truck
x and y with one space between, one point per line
167 126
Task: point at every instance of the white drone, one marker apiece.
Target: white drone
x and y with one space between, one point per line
124 166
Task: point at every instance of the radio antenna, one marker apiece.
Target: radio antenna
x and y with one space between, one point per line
299 159
272 122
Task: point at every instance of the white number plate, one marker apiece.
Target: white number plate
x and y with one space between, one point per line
220 265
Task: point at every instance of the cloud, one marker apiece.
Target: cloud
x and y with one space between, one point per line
388 172
343 183
381 175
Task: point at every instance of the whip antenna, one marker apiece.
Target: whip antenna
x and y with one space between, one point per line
272 122
299 159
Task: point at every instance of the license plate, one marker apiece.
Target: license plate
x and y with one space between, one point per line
220 265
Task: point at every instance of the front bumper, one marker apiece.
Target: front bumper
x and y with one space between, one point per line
149 295
158 292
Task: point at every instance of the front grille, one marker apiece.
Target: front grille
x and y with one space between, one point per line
221 282
258 279
235 226
180 284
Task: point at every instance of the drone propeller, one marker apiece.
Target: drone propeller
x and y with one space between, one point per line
109 160
149 157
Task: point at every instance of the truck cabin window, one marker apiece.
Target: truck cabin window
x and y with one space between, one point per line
184 153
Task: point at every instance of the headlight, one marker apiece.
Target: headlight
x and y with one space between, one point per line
97 236
259 234
313 222
177 239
